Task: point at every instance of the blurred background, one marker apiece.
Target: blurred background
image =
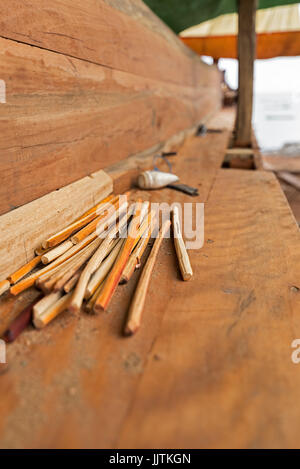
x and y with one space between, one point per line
276 116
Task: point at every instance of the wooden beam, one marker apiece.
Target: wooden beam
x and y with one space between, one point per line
23 229
87 85
244 297
124 36
246 54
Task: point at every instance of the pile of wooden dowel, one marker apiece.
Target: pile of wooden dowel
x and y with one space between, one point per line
85 262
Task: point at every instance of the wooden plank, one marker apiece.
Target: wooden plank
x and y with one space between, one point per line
121 35
209 148
243 152
220 374
56 372
23 229
65 118
290 178
281 163
220 344
293 198
246 54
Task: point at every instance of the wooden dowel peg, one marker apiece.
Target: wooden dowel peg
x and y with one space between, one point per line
24 270
40 251
137 304
94 263
182 255
56 252
89 307
103 270
68 268
72 282
29 281
45 303
103 221
114 276
135 257
79 223
4 286
52 312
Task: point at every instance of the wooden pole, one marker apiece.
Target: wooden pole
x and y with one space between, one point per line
246 55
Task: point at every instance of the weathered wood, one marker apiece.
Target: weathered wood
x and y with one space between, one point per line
23 229
211 153
290 178
211 365
65 118
246 54
121 35
293 197
240 158
245 152
210 150
224 344
281 163
213 342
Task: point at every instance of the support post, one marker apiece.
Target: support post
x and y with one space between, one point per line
246 55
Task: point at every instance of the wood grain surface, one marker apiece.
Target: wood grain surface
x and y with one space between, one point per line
24 229
120 35
88 85
211 365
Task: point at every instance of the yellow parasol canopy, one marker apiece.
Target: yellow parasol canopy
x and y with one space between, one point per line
277 28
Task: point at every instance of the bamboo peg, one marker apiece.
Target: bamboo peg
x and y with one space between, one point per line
43 278
29 281
94 263
4 286
67 262
82 221
40 251
89 307
45 303
134 259
106 218
103 270
24 270
54 310
56 252
69 273
48 284
72 282
113 278
57 279
137 304
182 255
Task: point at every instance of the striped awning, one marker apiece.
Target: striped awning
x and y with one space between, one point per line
277 28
